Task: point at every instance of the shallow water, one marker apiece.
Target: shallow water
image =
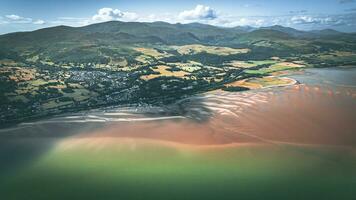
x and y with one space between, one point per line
295 142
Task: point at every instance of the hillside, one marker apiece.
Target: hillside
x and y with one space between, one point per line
66 69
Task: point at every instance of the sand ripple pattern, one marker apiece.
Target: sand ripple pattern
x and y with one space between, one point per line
223 103
198 108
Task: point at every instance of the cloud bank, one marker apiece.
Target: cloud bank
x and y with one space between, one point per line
110 14
203 14
12 18
200 12
208 15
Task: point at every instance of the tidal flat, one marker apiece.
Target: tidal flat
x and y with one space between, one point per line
293 142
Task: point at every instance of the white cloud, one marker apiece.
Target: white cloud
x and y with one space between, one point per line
102 15
39 21
14 17
109 14
21 20
303 19
17 19
319 20
200 12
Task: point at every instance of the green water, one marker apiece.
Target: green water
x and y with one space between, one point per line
157 171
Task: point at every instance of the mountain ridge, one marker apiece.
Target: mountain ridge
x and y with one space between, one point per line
194 24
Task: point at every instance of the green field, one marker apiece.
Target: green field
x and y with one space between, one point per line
275 68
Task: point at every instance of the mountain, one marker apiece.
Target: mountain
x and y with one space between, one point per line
158 31
326 32
61 41
244 29
290 31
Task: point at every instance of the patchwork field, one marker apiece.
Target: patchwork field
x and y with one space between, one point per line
91 75
264 82
162 70
280 66
190 66
196 48
149 55
249 64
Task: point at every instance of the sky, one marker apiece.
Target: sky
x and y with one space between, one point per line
27 15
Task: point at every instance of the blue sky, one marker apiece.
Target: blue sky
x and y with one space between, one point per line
25 15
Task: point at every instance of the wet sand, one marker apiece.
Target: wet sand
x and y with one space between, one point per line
299 114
